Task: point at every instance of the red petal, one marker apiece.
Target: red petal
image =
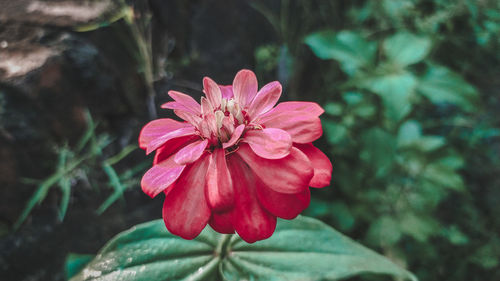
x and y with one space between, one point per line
159 131
290 175
161 176
172 146
270 143
303 128
227 91
218 184
182 100
221 222
190 152
234 137
185 211
321 164
286 206
297 107
249 219
244 87
212 91
265 99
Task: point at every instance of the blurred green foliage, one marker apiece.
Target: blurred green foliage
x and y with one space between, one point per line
75 164
412 125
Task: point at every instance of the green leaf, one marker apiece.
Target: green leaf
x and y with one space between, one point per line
487 256
455 235
335 133
420 228
149 252
74 263
409 132
444 176
378 150
395 90
405 48
384 232
300 249
333 108
349 48
305 249
352 98
441 85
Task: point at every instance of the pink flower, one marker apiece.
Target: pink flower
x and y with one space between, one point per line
236 162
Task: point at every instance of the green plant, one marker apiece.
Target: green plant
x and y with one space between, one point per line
75 163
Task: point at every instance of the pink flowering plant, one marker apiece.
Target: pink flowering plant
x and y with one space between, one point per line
236 162
240 163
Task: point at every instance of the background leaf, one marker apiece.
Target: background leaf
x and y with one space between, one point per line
395 91
441 85
405 48
348 47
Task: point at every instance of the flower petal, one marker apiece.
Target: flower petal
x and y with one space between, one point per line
321 164
227 91
188 117
290 174
218 184
249 219
221 222
286 206
234 137
183 100
303 128
206 106
244 87
190 152
185 210
158 132
172 146
265 99
161 176
212 91
269 143
297 107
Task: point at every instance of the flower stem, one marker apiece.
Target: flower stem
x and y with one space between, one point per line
222 247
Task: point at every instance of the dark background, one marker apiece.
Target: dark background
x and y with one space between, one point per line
431 205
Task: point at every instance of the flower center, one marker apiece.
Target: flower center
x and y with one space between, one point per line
218 124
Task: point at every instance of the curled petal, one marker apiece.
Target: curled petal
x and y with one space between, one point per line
245 87
249 219
270 143
161 176
206 106
172 146
212 91
190 152
159 131
218 183
304 128
221 222
321 164
234 137
185 210
182 101
286 206
290 174
265 99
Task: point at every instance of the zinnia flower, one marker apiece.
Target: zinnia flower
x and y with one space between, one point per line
235 162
